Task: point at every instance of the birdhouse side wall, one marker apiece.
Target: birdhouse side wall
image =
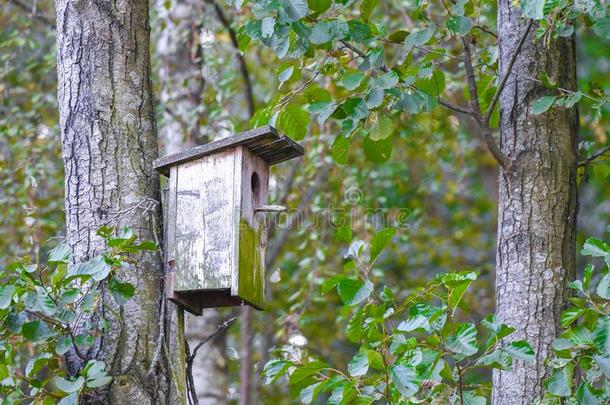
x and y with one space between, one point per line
249 281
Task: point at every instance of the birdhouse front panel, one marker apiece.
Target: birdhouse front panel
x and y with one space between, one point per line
205 212
215 219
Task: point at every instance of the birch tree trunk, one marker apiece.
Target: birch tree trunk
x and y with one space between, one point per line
109 143
181 87
537 201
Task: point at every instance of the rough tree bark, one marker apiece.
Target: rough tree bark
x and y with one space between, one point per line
537 201
181 86
109 143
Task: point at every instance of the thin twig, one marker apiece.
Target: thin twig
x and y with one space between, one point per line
39 17
221 328
594 156
360 53
242 62
454 107
509 69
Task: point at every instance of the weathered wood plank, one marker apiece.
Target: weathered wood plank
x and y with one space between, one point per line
249 282
204 212
264 142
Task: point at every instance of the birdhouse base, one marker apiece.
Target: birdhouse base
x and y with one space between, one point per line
194 301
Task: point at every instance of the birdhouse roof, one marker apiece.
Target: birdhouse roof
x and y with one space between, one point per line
264 142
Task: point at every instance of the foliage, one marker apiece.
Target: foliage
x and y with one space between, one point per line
49 310
580 366
31 173
377 72
419 347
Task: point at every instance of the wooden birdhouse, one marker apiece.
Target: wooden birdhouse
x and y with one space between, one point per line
216 235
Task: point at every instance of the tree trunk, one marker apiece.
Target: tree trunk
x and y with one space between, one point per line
537 201
109 143
181 88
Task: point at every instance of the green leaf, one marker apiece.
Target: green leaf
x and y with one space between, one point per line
96 268
351 80
354 291
304 376
36 364
541 105
380 241
521 350
319 6
340 149
570 315
274 369
603 288
309 393
470 398
60 254
63 344
414 323
382 127
573 99
602 27
464 341
327 30
533 9
121 292
388 80
293 121
71 399
285 74
604 364
589 395
45 302
267 27
457 283
460 25
36 331
418 38
6 295
358 31
366 8
359 364
354 327
68 386
294 10
560 382
355 108
377 151
595 247
405 379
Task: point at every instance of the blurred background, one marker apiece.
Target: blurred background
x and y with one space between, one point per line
438 188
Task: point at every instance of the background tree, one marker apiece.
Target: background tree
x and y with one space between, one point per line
178 52
538 199
109 143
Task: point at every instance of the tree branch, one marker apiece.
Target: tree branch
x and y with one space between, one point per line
476 109
221 328
454 107
594 156
40 17
358 52
509 69
242 62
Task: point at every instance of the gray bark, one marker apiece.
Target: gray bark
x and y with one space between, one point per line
537 202
181 86
109 143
